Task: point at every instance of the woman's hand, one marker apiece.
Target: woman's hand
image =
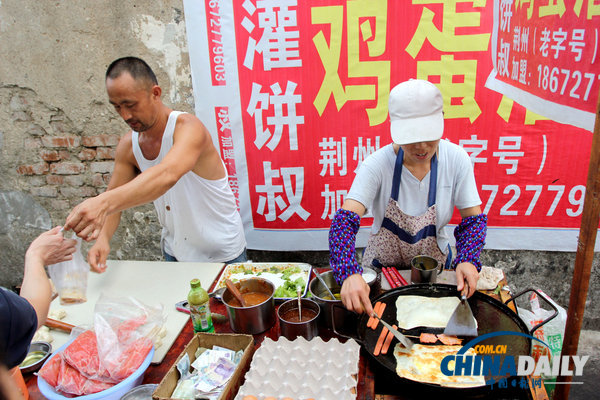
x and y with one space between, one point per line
466 272
355 295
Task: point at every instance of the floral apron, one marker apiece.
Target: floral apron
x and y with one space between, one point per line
402 236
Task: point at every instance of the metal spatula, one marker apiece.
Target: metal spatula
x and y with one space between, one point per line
462 322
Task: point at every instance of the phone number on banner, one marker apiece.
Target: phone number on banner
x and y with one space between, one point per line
533 197
215 48
552 79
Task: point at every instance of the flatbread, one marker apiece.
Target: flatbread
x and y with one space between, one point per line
422 364
431 312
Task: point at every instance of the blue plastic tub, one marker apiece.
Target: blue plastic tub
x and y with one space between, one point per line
114 393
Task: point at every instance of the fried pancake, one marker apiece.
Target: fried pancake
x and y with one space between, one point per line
432 312
422 364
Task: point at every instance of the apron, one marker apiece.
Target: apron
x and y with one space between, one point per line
402 236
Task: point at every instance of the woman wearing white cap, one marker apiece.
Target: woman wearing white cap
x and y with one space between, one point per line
411 187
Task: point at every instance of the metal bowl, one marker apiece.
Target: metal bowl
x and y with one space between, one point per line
254 319
320 295
142 392
36 349
373 279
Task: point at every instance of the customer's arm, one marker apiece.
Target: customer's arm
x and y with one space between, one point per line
48 248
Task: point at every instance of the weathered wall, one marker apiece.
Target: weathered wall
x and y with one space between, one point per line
58 133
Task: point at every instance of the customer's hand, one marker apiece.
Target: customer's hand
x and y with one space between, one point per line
51 248
355 295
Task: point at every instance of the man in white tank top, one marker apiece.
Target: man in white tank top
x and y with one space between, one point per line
167 157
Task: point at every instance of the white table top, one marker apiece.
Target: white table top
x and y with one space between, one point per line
151 282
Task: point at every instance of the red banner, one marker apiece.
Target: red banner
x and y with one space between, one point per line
547 56
311 94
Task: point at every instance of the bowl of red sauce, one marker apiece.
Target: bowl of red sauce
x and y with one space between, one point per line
259 313
297 321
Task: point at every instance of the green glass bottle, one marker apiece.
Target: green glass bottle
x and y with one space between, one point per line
199 308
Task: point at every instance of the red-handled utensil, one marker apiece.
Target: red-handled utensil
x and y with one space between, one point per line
388 277
60 325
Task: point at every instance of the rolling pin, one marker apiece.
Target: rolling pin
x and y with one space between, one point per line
60 325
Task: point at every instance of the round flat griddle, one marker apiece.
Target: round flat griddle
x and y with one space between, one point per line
491 316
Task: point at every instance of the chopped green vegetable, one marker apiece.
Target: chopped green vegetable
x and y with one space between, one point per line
286 290
286 273
289 288
498 289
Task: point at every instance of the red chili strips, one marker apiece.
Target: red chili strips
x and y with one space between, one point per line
388 341
380 340
378 308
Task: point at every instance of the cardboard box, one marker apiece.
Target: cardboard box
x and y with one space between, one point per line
208 340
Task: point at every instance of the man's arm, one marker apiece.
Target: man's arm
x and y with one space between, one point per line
191 141
125 170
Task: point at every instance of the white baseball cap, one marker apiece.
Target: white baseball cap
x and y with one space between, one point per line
416 112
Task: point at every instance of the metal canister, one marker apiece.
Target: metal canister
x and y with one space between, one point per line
320 295
254 319
308 328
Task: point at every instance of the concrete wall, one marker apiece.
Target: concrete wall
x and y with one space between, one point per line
58 132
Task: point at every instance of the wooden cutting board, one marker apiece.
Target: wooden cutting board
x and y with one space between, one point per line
151 282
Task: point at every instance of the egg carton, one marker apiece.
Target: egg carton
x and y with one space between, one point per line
301 370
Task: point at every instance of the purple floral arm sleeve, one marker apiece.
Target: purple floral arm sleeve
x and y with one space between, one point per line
342 239
470 239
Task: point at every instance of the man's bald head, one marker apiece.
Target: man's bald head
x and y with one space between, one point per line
136 67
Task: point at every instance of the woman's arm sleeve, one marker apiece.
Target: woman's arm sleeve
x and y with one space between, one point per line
342 240
470 239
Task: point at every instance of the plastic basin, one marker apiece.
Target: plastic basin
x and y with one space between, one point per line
115 392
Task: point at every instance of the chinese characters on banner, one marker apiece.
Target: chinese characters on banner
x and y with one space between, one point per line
546 56
296 93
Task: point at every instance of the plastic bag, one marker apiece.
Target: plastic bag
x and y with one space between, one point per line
70 277
98 358
552 333
125 329
67 371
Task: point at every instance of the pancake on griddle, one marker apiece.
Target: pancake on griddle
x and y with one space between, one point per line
422 364
432 312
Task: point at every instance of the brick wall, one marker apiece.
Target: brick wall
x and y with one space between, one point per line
68 169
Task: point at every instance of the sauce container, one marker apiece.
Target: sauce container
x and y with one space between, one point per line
289 324
327 305
36 357
256 318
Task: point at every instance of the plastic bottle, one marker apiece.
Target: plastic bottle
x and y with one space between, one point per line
199 308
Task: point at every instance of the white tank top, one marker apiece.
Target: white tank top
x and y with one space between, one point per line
199 217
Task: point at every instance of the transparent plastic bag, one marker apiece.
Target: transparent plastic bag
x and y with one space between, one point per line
125 330
551 333
70 278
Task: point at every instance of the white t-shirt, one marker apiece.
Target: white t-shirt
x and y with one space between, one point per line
456 187
199 217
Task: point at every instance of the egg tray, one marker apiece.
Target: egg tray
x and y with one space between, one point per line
302 370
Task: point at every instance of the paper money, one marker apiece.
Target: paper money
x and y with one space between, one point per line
211 357
215 375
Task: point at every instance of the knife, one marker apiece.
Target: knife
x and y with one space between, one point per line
403 339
